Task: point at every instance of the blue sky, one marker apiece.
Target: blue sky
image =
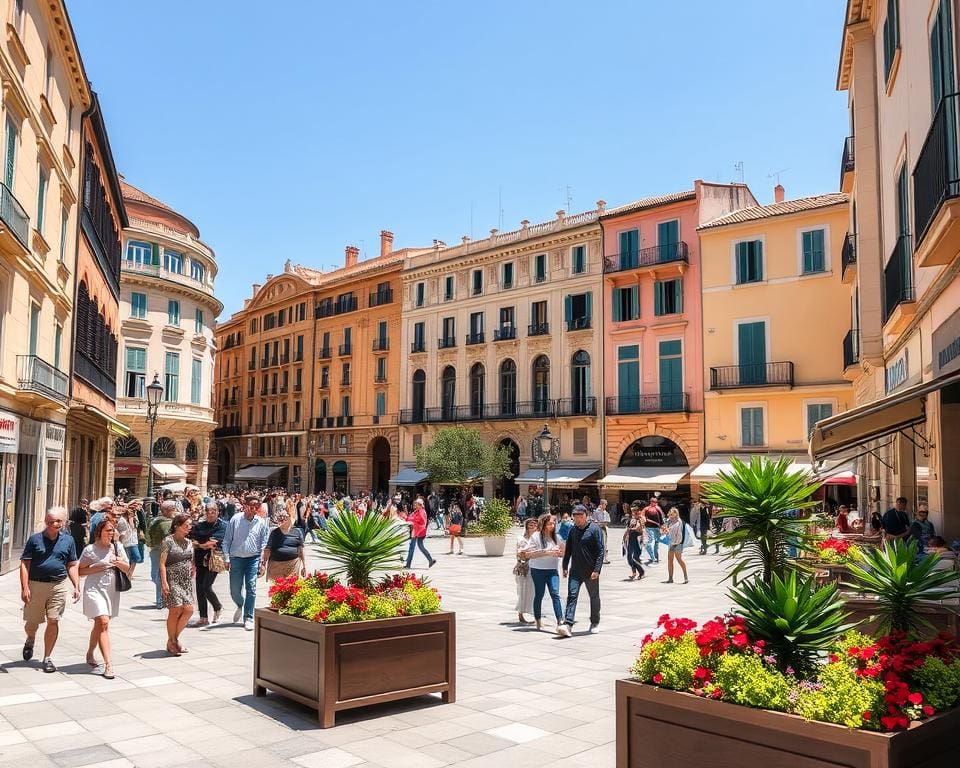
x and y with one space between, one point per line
289 130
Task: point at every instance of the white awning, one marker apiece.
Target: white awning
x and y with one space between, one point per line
408 476
256 472
645 478
169 472
558 477
717 462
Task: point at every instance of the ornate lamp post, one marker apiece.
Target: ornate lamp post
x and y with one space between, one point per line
546 448
154 395
311 452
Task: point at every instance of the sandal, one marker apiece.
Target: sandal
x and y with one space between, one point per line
174 650
108 672
92 662
182 649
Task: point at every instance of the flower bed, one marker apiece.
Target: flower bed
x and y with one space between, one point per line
836 551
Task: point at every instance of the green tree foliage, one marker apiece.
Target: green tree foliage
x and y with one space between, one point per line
459 455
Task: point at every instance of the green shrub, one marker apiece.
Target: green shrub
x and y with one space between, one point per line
495 520
673 660
379 607
745 679
423 599
307 603
840 696
939 682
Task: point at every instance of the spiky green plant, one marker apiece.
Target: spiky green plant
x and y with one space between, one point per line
900 581
361 545
760 495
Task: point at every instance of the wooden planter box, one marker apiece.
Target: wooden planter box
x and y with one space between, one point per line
332 667
657 727
943 616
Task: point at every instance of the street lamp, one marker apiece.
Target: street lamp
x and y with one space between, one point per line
154 395
311 452
546 448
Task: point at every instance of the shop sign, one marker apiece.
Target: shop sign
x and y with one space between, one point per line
946 346
9 432
126 469
55 435
897 372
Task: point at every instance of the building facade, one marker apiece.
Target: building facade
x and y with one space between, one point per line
92 425
505 334
653 356
167 316
45 91
773 327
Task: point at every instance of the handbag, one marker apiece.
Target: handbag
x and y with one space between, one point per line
123 583
688 537
216 563
454 529
522 568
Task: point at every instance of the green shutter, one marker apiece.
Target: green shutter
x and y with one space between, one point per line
741 259
11 154
628 380
658 299
617 315
635 302
567 310
155 254
758 259
589 308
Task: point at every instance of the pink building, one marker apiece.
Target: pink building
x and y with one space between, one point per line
653 340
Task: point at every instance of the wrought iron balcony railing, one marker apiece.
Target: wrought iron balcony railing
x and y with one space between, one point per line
34 374
678 402
647 257
758 375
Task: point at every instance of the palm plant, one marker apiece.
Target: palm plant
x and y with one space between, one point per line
361 545
899 582
764 497
797 622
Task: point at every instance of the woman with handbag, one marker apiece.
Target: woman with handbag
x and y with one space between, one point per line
207 537
521 570
543 554
455 527
283 555
105 566
176 580
678 538
129 538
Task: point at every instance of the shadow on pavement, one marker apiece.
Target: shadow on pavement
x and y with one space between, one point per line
302 718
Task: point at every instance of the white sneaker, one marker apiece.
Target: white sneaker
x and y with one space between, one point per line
248 625
214 621
563 630
237 615
594 629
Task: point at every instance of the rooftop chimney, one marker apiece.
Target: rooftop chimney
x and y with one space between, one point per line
352 254
601 206
778 193
386 242
256 287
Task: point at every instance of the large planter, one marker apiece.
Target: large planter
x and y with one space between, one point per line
943 617
493 546
332 667
657 727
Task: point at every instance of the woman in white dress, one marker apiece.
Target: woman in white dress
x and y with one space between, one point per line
101 600
522 571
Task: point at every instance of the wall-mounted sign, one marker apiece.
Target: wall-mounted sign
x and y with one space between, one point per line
127 469
9 432
897 372
946 346
54 436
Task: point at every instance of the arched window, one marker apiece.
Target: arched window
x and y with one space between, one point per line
580 382
477 380
164 448
419 395
191 452
541 384
508 388
448 393
127 447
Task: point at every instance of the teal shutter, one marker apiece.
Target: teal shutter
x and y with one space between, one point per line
741 259
635 302
617 315
757 260
668 237
196 374
11 155
678 294
155 254
567 310
752 348
589 309
746 426
658 299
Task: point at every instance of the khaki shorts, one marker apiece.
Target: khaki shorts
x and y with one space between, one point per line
48 601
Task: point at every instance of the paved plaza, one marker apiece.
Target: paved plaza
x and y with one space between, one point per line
523 697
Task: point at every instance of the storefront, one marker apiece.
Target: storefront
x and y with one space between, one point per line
565 484
9 447
51 479
126 476
652 464
410 480
261 475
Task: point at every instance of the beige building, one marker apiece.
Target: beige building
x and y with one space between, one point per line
504 334
167 312
45 91
898 65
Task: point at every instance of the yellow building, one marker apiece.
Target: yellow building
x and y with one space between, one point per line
774 318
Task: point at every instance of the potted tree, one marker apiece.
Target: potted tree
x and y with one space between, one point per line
495 521
357 635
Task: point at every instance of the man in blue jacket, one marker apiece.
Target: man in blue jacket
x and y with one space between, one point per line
585 549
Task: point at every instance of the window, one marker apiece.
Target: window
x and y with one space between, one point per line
419 341
477 282
507 320
540 268
628 378
671 375
580 382
579 440
418 294
448 288
382 341
18 23
198 320
253 325
345 405
197 271
138 305
301 311
417 441
281 318
136 372
749 260
324 376
34 327
449 331
577 311
751 426
448 392
477 385
10 158
418 395
196 374
752 352
538 316
57 345
345 373
171 371
298 380
381 369
476 326
891 36
629 249
296 410
139 252
173 261
298 353
816 412
578 259
381 404
42 184
813 253
173 312
48 74
506 275
541 384
64 219
626 304
508 388
668 297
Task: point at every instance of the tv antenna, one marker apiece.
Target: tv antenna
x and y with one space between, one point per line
569 195
776 174
738 170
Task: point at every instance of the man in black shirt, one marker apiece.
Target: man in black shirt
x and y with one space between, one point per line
896 521
584 551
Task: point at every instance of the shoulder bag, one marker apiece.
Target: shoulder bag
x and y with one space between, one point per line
123 583
215 561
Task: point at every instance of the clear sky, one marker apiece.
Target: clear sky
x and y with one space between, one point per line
291 129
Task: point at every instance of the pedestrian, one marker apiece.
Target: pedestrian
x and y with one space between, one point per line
921 529
601 516
563 529
243 546
418 532
843 519
207 537
455 527
521 508
705 522
283 555
634 542
100 561
521 571
159 530
676 532
48 567
652 521
101 508
896 521
582 561
78 528
129 535
176 579
543 554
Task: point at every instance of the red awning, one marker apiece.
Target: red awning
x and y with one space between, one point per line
127 469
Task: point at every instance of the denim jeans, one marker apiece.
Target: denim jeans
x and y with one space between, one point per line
417 543
634 553
653 544
155 574
243 575
546 579
573 592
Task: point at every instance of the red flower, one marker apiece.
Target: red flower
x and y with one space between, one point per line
741 640
867 716
915 698
657 678
928 710
703 674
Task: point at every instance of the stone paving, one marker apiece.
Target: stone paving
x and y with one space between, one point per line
524 698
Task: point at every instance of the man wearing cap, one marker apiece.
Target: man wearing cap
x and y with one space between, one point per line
582 561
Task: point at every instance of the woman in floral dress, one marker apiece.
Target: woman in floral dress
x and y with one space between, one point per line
176 580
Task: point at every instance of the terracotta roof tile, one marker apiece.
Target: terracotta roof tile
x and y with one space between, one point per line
136 195
758 212
649 202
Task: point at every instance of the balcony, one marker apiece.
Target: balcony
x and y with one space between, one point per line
251 365
226 432
936 188
345 380
447 343
380 298
159 271
898 282
380 378
538 329
508 410
418 346
322 310
578 324
344 421
475 338
345 305
323 422
325 383
92 373
14 218
851 348
283 389
577 406
745 376
668 403
847 165
669 253
298 387
325 354
848 257
35 374
506 333
137 406
345 350
381 345
284 359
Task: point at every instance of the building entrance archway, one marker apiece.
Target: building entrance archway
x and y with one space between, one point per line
380 466
507 486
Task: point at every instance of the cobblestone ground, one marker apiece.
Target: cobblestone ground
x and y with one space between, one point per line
524 698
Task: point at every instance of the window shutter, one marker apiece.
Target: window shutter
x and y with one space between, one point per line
678 289
10 155
758 259
741 258
635 302
746 433
589 307
617 297
658 298
567 309
155 254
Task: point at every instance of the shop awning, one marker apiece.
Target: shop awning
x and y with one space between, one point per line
256 472
644 478
117 427
169 472
874 420
558 477
408 476
839 474
717 462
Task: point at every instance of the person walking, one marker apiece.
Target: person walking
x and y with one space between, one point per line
455 527
126 526
48 567
78 528
676 531
243 546
652 521
418 532
582 561
543 554
634 542
101 598
705 523
283 555
176 579
207 537
521 571
159 530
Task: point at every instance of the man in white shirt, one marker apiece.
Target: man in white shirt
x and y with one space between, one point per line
243 547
